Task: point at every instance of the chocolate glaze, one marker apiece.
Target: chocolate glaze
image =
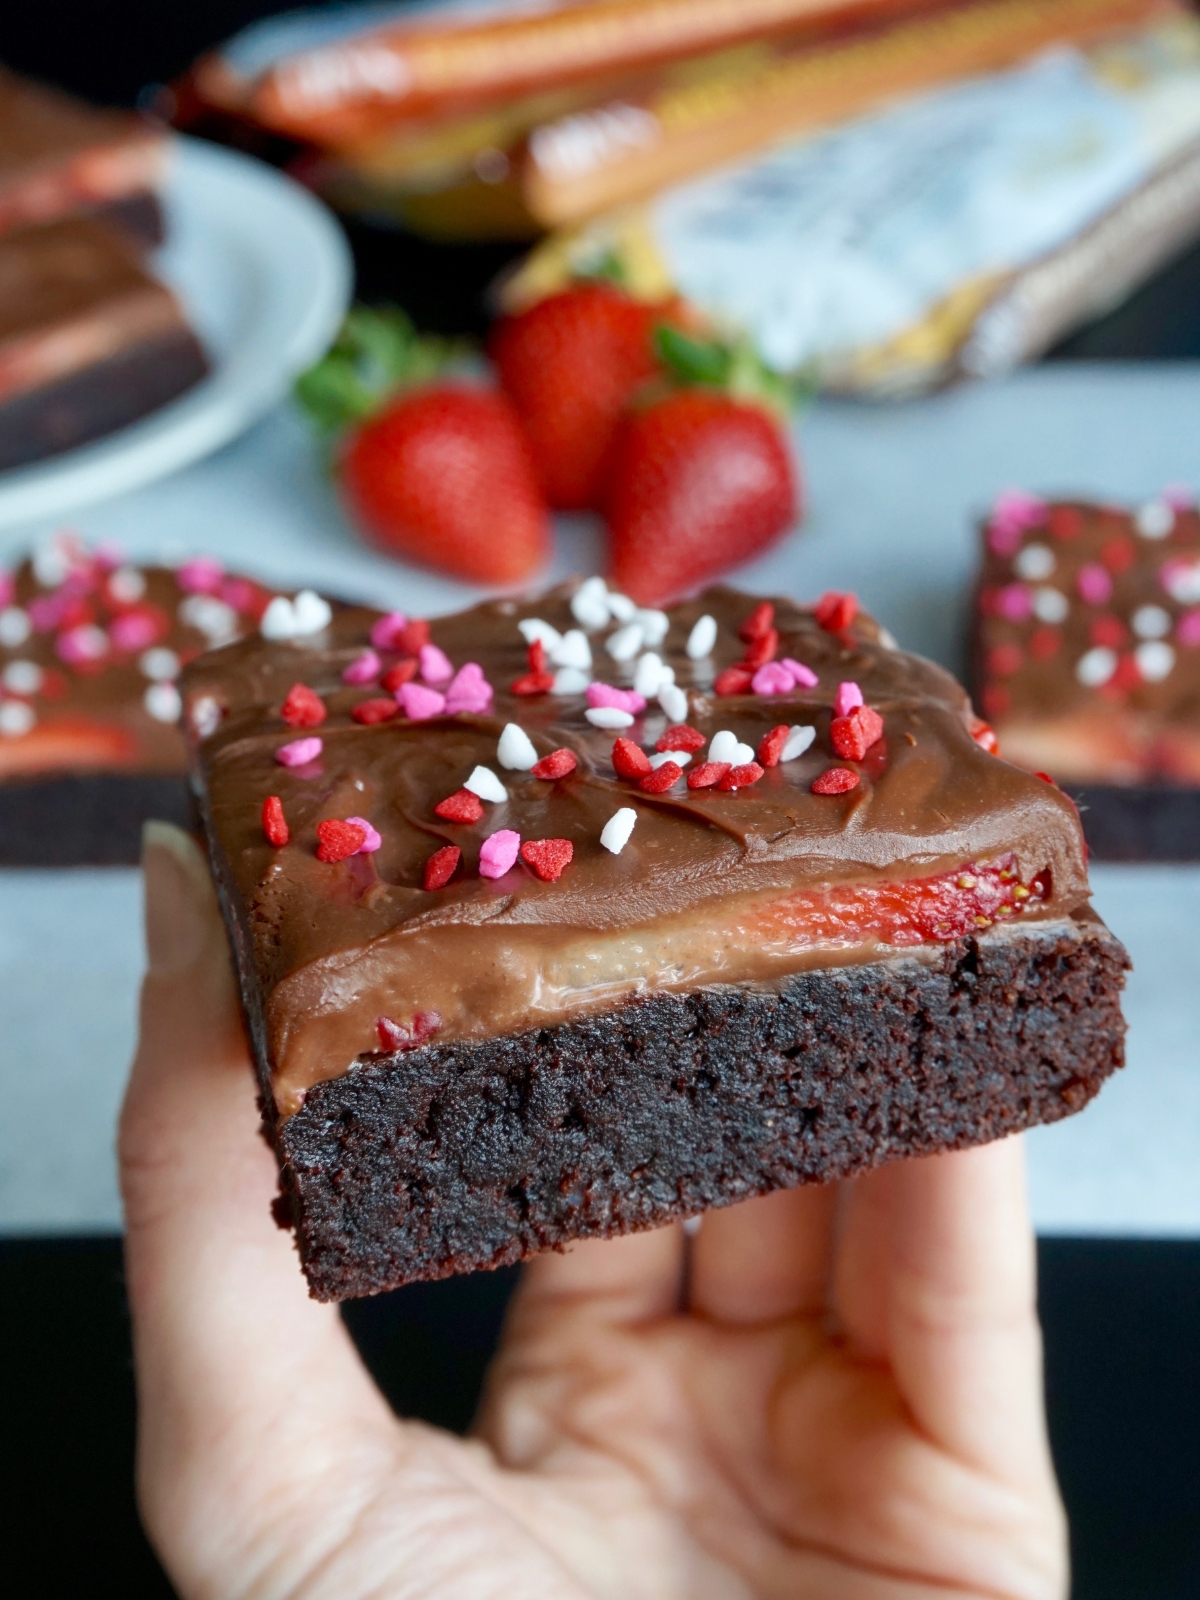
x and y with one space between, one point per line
325 940
1075 579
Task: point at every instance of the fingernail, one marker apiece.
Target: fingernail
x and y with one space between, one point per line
178 897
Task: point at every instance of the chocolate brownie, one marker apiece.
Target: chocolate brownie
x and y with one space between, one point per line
90 648
562 918
1086 657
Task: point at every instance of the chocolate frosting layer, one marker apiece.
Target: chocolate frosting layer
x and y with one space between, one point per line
317 934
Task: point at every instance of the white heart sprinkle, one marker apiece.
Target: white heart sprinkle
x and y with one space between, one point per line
484 783
648 675
702 638
534 630
888 639
1035 562
1182 581
743 753
209 616
22 677
16 718
15 627
1050 605
589 604
682 757
1096 667
51 563
797 742
1155 660
615 834
1151 622
313 612
620 606
516 749
127 584
654 626
160 664
723 746
570 680
626 642
279 619
290 619
1155 519
162 701
608 717
572 650
206 716
674 702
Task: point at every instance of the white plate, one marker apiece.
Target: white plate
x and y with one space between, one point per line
265 274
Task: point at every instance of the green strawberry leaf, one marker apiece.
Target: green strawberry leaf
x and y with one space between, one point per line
736 368
693 360
376 354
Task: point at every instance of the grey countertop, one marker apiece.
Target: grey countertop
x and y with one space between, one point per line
892 496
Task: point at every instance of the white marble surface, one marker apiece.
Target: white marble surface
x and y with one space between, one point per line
892 492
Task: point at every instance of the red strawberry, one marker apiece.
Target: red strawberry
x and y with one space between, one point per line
570 364
699 482
443 476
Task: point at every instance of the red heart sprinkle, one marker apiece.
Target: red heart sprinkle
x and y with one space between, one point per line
984 736
556 765
536 656
303 708
396 677
681 736
412 636
852 736
369 712
461 806
337 840
741 777
547 857
274 823
734 680
707 774
770 746
629 760
534 683
661 778
441 866
758 622
761 650
395 1036
834 611
836 780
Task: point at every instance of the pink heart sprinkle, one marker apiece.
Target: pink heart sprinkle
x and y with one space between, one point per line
299 753
804 677
383 634
1094 583
372 842
8 589
135 630
435 664
108 555
498 853
420 703
1179 496
476 703
847 697
469 690
46 610
365 668
1188 629
773 678
240 594
202 575
1014 602
609 696
79 646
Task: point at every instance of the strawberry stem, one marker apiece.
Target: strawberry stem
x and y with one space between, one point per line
377 354
736 368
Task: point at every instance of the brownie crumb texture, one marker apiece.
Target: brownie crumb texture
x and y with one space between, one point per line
451 1158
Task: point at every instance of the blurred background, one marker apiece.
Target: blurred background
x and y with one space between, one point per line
930 407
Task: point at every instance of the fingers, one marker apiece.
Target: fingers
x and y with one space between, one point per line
764 1259
633 1279
936 1277
235 1365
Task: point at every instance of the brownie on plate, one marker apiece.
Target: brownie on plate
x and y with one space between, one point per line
90 650
560 918
1087 661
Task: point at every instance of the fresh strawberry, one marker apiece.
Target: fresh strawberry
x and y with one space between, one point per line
570 364
443 476
433 470
702 479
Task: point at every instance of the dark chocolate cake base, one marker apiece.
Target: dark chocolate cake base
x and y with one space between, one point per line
99 400
86 820
450 1158
1139 822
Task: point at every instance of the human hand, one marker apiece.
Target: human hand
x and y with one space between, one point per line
827 1394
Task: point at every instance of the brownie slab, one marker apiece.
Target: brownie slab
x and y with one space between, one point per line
1086 661
558 918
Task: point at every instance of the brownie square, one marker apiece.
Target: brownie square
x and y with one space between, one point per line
1086 661
559 918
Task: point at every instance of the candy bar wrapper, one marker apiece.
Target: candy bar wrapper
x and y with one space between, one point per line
956 233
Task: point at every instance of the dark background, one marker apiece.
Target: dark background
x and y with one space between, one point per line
1122 1319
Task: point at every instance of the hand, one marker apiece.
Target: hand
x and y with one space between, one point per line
830 1394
